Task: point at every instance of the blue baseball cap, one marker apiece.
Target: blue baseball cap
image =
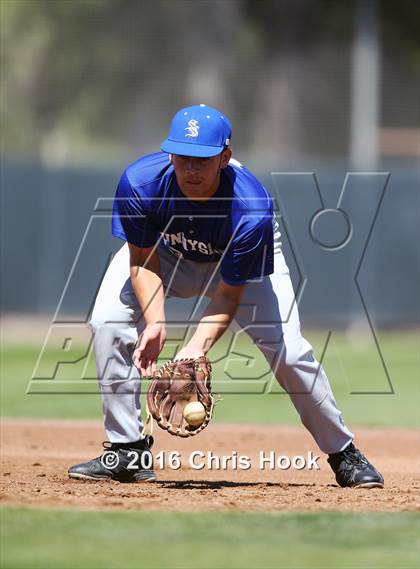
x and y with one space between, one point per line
198 131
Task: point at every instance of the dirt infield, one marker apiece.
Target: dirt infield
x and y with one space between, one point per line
36 454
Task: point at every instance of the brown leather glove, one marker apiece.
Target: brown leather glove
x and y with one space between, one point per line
173 386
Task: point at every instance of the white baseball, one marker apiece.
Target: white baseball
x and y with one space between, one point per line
194 413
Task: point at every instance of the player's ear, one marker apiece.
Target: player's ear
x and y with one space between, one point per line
226 156
170 158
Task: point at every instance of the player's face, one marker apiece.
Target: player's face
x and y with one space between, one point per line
199 178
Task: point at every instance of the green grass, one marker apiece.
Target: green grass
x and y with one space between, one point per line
71 539
245 382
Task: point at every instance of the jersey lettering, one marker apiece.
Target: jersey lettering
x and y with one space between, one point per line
172 239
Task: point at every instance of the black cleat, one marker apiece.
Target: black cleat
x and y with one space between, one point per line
125 462
352 469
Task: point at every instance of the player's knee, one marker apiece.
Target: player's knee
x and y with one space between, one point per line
113 337
102 317
289 358
93 324
103 330
96 324
296 353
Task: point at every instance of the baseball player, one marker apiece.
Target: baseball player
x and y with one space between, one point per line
197 223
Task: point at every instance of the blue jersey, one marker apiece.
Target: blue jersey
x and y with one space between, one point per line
234 225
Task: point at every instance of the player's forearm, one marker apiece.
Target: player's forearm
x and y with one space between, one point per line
148 288
213 323
147 284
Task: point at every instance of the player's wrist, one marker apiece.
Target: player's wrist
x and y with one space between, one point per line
156 324
190 351
197 347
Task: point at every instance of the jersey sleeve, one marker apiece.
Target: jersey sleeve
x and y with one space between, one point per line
130 219
250 254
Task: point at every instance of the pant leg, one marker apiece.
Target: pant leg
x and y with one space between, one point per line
115 323
269 314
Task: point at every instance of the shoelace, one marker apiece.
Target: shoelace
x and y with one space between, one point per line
352 455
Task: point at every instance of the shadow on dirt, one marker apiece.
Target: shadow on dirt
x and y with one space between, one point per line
218 484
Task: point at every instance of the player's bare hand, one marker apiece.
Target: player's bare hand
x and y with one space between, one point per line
148 349
189 352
